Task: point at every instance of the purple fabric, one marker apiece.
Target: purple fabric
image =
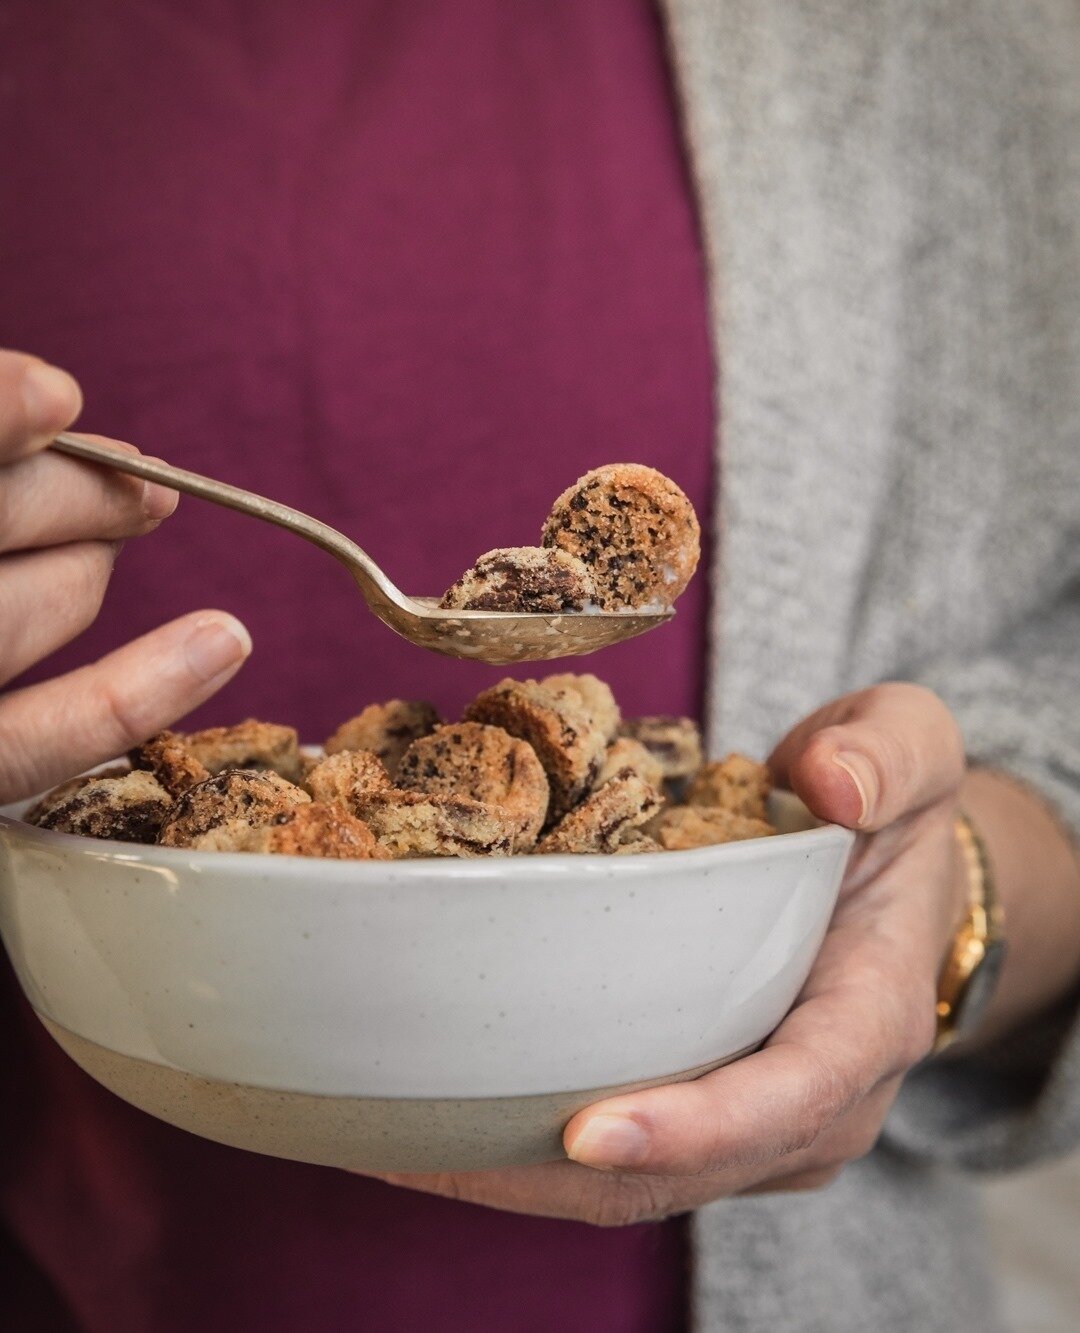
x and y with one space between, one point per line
413 268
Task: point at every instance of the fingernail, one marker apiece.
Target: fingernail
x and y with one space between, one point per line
862 774
50 395
609 1141
158 501
215 644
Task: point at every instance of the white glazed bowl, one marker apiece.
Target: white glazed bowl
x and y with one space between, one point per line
418 1015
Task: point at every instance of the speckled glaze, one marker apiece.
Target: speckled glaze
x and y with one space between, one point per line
411 1015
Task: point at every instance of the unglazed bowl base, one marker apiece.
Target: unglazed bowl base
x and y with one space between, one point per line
371 1134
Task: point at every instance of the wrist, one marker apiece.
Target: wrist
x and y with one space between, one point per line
1037 877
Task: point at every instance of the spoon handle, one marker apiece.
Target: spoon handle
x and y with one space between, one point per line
232 497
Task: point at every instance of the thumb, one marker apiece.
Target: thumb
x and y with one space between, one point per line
867 759
50 731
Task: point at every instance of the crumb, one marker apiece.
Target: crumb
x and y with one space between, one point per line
600 822
635 530
684 826
386 729
347 777
633 842
736 783
485 764
412 824
530 579
626 753
248 744
125 807
593 695
236 797
567 743
174 765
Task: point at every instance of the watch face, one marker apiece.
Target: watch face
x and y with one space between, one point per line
980 986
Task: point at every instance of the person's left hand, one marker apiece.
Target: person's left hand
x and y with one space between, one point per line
887 761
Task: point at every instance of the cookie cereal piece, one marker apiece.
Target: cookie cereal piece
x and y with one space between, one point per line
533 579
412 824
485 764
556 725
348 777
736 783
229 801
248 744
167 756
316 829
682 827
600 822
35 813
125 806
625 753
386 729
675 743
594 696
635 530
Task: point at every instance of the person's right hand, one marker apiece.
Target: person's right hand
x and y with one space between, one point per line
61 524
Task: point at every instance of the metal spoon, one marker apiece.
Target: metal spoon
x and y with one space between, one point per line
485 636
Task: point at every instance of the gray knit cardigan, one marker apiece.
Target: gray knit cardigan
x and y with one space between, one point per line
889 193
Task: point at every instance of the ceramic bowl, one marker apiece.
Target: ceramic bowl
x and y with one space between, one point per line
413 1015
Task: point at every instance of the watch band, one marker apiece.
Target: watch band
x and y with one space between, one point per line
978 943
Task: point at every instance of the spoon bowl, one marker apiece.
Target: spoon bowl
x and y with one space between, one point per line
484 636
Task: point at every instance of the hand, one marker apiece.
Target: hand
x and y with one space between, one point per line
888 762
62 523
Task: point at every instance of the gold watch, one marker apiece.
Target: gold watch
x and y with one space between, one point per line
971 971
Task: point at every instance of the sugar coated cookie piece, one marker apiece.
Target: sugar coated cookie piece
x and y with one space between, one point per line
486 764
248 744
348 777
600 821
594 696
168 757
626 753
682 827
58 794
236 797
674 742
634 529
531 579
567 742
120 805
411 824
736 783
315 829
386 729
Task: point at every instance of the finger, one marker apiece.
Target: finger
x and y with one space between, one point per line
50 499
36 402
49 732
47 598
867 1018
867 759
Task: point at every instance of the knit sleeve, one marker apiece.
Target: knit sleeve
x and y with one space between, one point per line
1019 709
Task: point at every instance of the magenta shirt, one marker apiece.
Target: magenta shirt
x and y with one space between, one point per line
413 268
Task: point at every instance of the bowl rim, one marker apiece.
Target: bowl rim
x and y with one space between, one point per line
481 868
